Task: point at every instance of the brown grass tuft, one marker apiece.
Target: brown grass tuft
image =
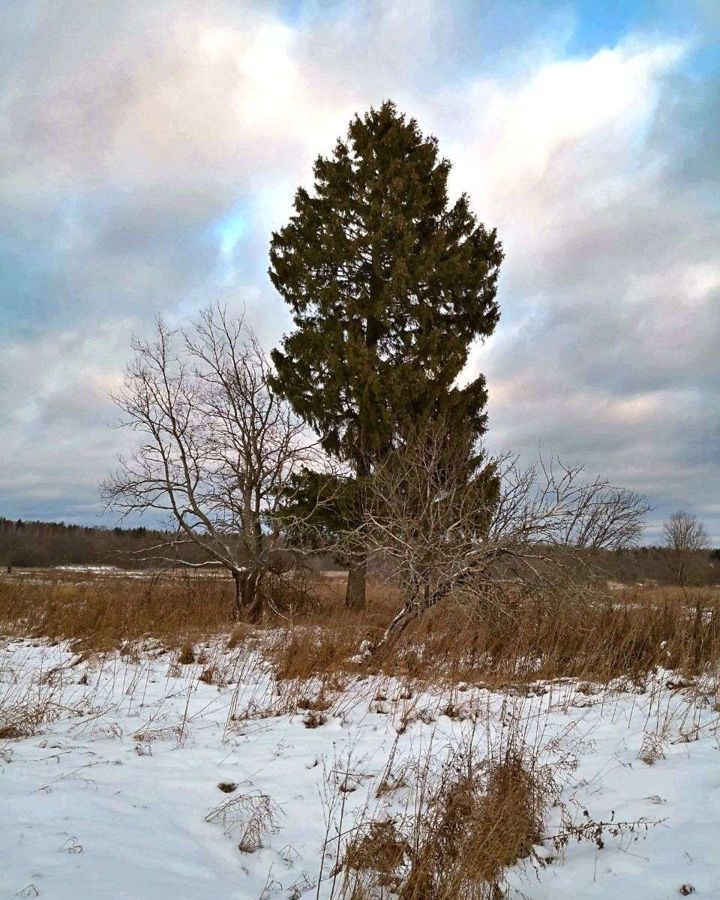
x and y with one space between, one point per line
380 849
314 719
186 655
209 675
249 817
469 827
238 635
13 732
474 831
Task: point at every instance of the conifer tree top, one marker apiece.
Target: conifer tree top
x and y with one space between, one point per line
389 284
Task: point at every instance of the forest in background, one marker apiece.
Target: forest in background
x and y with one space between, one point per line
29 544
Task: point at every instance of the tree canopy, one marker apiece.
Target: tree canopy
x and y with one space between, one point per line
389 284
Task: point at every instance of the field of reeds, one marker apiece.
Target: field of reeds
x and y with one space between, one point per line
601 636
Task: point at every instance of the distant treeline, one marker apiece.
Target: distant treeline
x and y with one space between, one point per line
656 564
28 544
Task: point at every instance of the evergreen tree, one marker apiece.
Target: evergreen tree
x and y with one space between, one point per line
389 284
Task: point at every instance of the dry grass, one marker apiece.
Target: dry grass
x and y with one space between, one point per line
465 824
595 638
470 823
250 817
473 830
103 612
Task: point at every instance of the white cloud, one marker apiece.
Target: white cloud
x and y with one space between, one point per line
183 101
147 150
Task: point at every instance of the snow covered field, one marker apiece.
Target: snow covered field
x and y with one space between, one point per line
115 793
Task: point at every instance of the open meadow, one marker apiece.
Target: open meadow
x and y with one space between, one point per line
146 742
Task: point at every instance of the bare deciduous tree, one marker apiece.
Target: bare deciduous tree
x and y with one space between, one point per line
685 536
444 520
218 452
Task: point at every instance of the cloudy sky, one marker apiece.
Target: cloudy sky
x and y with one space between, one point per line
148 149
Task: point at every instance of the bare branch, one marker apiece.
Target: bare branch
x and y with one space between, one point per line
440 518
684 537
219 449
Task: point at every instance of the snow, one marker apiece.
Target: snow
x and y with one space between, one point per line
110 797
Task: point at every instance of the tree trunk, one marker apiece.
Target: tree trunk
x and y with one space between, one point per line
355 590
407 614
238 579
412 610
252 600
357 564
248 598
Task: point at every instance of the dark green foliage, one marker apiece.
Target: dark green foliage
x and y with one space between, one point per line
389 285
328 503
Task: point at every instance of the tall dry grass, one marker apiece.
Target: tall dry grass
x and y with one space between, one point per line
102 612
595 638
308 631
